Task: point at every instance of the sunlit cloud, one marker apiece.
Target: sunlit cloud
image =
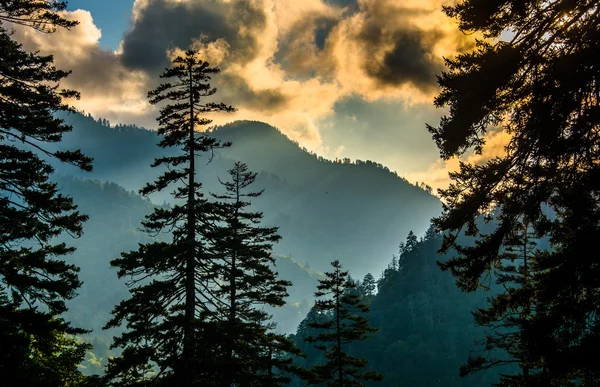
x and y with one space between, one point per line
436 174
285 62
108 89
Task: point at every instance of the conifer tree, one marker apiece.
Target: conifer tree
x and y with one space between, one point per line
172 282
248 283
35 280
344 323
508 314
538 87
369 285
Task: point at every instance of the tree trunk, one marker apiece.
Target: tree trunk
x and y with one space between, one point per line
190 288
526 311
339 333
232 285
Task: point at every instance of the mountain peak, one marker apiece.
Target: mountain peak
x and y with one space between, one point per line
326 210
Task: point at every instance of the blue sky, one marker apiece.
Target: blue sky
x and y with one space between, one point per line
111 16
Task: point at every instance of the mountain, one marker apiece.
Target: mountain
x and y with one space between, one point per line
352 211
425 327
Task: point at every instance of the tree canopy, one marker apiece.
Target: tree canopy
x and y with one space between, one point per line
172 284
540 89
35 279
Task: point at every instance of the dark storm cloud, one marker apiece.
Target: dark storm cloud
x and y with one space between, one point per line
409 61
237 92
163 24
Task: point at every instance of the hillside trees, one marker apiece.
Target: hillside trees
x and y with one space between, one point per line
35 280
171 282
340 320
539 90
507 316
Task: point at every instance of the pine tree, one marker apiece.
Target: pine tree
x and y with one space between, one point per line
35 280
411 242
507 317
431 233
248 283
345 323
172 282
540 88
369 285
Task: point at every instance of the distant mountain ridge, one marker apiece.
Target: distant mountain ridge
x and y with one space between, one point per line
326 210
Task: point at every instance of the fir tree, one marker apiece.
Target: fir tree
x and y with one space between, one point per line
431 233
172 282
369 285
248 284
35 280
411 242
345 323
540 88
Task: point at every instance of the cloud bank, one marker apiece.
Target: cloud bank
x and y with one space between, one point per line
286 62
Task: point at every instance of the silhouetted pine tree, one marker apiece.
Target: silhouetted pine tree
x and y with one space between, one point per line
345 323
35 281
172 283
248 283
540 87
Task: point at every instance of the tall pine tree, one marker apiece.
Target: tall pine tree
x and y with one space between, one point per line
35 280
253 354
344 322
539 86
172 282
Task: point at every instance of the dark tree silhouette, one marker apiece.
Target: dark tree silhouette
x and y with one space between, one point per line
541 89
171 282
368 286
507 316
35 280
248 284
345 323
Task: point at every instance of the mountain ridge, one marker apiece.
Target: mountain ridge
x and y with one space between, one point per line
353 211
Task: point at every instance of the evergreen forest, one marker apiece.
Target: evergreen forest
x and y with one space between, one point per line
213 235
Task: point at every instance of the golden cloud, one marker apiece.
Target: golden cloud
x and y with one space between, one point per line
284 62
107 88
436 174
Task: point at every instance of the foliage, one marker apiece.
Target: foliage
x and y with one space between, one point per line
35 280
424 324
507 316
340 320
241 253
368 286
540 88
167 340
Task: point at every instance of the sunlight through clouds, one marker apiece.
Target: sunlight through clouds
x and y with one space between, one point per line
284 62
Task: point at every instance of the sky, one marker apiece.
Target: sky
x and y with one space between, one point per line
345 78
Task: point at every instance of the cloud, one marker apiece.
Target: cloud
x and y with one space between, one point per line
107 88
408 61
160 25
286 62
388 132
436 174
